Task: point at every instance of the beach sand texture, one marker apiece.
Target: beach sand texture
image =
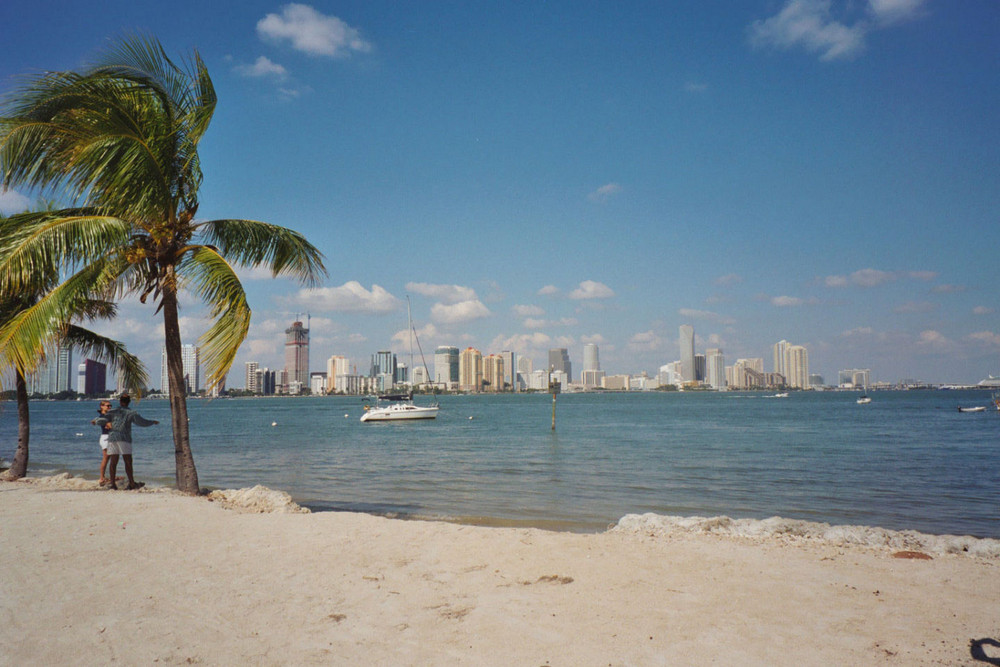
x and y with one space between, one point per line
94 577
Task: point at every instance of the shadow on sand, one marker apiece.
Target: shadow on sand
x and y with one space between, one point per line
978 653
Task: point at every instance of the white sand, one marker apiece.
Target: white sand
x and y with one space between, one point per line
98 577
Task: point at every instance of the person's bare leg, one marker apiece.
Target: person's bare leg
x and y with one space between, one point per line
104 465
112 470
132 484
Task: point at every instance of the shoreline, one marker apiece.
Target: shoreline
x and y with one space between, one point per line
154 575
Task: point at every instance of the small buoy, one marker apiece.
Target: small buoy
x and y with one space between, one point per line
470 416
274 423
79 435
346 416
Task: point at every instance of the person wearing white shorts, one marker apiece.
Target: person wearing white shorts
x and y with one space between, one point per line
120 438
102 410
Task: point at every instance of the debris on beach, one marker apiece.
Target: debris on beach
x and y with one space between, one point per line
258 500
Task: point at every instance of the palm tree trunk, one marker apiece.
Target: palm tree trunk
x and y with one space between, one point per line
19 468
187 475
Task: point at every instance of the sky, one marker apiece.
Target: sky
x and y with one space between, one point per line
548 174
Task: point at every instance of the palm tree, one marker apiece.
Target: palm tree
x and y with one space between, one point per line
25 334
121 138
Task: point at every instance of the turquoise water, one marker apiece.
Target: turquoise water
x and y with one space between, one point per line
909 460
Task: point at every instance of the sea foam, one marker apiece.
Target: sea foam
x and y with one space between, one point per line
779 527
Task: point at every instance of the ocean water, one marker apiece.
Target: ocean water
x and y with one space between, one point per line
909 460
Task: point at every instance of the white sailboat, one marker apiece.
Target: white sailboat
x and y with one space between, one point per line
400 407
865 398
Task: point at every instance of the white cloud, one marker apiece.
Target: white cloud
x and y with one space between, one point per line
707 315
523 344
858 331
694 87
535 323
528 311
809 24
590 289
932 339
786 301
982 310
350 297
597 339
645 341
871 277
922 275
729 279
12 202
987 337
424 333
889 12
548 290
836 281
459 313
605 192
447 293
915 307
262 67
311 32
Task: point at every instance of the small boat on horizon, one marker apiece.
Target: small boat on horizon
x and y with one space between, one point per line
978 408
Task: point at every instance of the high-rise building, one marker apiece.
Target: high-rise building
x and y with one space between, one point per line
715 372
493 373
797 365
297 353
510 369
336 365
780 350
190 360
470 370
251 377
591 361
688 370
559 361
92 378
446 372
699 367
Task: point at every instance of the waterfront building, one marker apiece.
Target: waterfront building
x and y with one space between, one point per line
470 370
559 361
446 371
617 382
699 367
780 351
748 374
591 359
191 363
251 377
510 369
420 376
854 377
797 365
688 370
715 373
91 378
297 353
592 379
816 380
336 365
317 382
493 373
538 380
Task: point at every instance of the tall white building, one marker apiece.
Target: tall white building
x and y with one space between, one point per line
715 364
780 350
446 367
591 359
297 353
688 370
797 365
251 377
190 360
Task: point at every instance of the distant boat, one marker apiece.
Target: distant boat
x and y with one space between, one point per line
865 398
978 408
783 394
397 407
400 407
990 382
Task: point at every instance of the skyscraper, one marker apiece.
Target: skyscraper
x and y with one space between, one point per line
251 377
297 353
688 371
780 349
190 360
591 361
446 366
797 365
559 361
715 368
470 370
493 373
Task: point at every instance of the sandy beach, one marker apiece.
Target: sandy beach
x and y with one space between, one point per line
94 577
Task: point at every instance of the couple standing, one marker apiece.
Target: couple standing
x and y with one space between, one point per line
116 439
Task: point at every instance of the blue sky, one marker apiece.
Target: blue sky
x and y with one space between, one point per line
540 175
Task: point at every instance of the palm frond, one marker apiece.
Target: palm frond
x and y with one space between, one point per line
253 243
209 275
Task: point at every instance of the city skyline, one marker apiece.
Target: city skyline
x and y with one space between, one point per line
643 167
